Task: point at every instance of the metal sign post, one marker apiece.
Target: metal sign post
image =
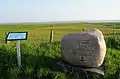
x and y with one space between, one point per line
17 36
18 53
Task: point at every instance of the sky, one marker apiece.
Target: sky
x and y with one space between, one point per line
15 11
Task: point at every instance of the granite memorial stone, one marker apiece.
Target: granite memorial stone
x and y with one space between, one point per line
86 48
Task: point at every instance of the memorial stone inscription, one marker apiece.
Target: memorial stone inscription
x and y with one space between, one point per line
86 49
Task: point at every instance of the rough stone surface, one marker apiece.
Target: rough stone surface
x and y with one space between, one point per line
87 48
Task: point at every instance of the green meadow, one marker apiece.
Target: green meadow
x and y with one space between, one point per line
40 57
42 31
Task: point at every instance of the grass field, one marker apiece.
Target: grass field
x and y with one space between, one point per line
40 57
41 31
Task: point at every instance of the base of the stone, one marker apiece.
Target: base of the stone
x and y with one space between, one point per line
78 70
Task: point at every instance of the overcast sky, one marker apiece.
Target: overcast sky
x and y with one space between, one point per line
58 10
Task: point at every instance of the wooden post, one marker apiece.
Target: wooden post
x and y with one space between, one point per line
83 30
113 32
51 35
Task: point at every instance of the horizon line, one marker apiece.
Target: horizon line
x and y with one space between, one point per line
59 22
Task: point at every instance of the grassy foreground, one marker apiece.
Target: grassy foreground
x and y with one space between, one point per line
41 58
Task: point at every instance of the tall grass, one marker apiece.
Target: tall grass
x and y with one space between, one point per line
39 60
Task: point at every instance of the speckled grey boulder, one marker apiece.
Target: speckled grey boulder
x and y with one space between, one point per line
87 48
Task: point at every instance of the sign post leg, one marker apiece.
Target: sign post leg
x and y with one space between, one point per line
18 53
